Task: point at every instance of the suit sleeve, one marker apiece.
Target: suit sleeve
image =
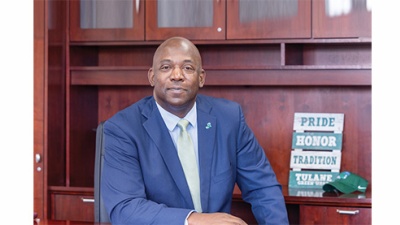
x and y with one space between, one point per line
122 186
257 180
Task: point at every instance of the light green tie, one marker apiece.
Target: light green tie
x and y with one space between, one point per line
189 163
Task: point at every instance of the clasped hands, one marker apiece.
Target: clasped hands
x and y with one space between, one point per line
214 218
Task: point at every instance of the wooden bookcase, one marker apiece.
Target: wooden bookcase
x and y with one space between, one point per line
89 78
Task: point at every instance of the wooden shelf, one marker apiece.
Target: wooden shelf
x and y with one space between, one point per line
227 42
62 189
287 75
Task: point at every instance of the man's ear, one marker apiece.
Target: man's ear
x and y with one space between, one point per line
202 78
150 76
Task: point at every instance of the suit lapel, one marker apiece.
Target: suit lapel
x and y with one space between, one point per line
206 140
159 133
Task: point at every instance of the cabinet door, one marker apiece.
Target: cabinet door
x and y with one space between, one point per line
73 207
93 20
341 19
264 19
334 215
193 19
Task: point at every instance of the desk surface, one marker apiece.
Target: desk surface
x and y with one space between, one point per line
65 222
319 197
316 196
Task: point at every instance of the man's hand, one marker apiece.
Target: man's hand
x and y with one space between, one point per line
214 218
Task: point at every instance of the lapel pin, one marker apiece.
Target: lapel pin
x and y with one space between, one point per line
208 125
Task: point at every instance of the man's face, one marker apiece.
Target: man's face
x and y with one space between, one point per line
176 76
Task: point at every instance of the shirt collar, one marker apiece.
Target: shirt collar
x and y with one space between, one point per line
171 120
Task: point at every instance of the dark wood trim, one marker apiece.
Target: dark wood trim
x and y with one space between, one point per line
229 77
229 42
39 115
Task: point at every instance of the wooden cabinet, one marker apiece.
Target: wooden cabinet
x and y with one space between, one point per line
72 206
341 19
332 215
197 20
193 19
138 20
268 19
93 20
314 206
125 20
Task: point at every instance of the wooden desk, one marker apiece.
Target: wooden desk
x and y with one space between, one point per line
314 206
65 222
305 206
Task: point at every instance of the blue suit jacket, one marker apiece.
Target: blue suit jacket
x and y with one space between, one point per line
143 181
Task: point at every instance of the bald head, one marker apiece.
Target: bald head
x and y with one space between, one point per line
178 43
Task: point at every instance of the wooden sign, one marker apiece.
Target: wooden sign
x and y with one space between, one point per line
317 141
316 149
315 160
318 122
306 179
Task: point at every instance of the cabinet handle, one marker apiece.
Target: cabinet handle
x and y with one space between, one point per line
347 212
38 158
87 199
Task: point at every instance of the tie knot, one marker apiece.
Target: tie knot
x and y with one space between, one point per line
183 123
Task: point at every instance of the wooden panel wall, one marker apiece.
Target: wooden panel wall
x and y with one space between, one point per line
269 112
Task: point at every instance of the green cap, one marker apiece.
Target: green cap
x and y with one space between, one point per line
347 183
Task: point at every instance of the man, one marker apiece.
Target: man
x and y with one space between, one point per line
144 179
